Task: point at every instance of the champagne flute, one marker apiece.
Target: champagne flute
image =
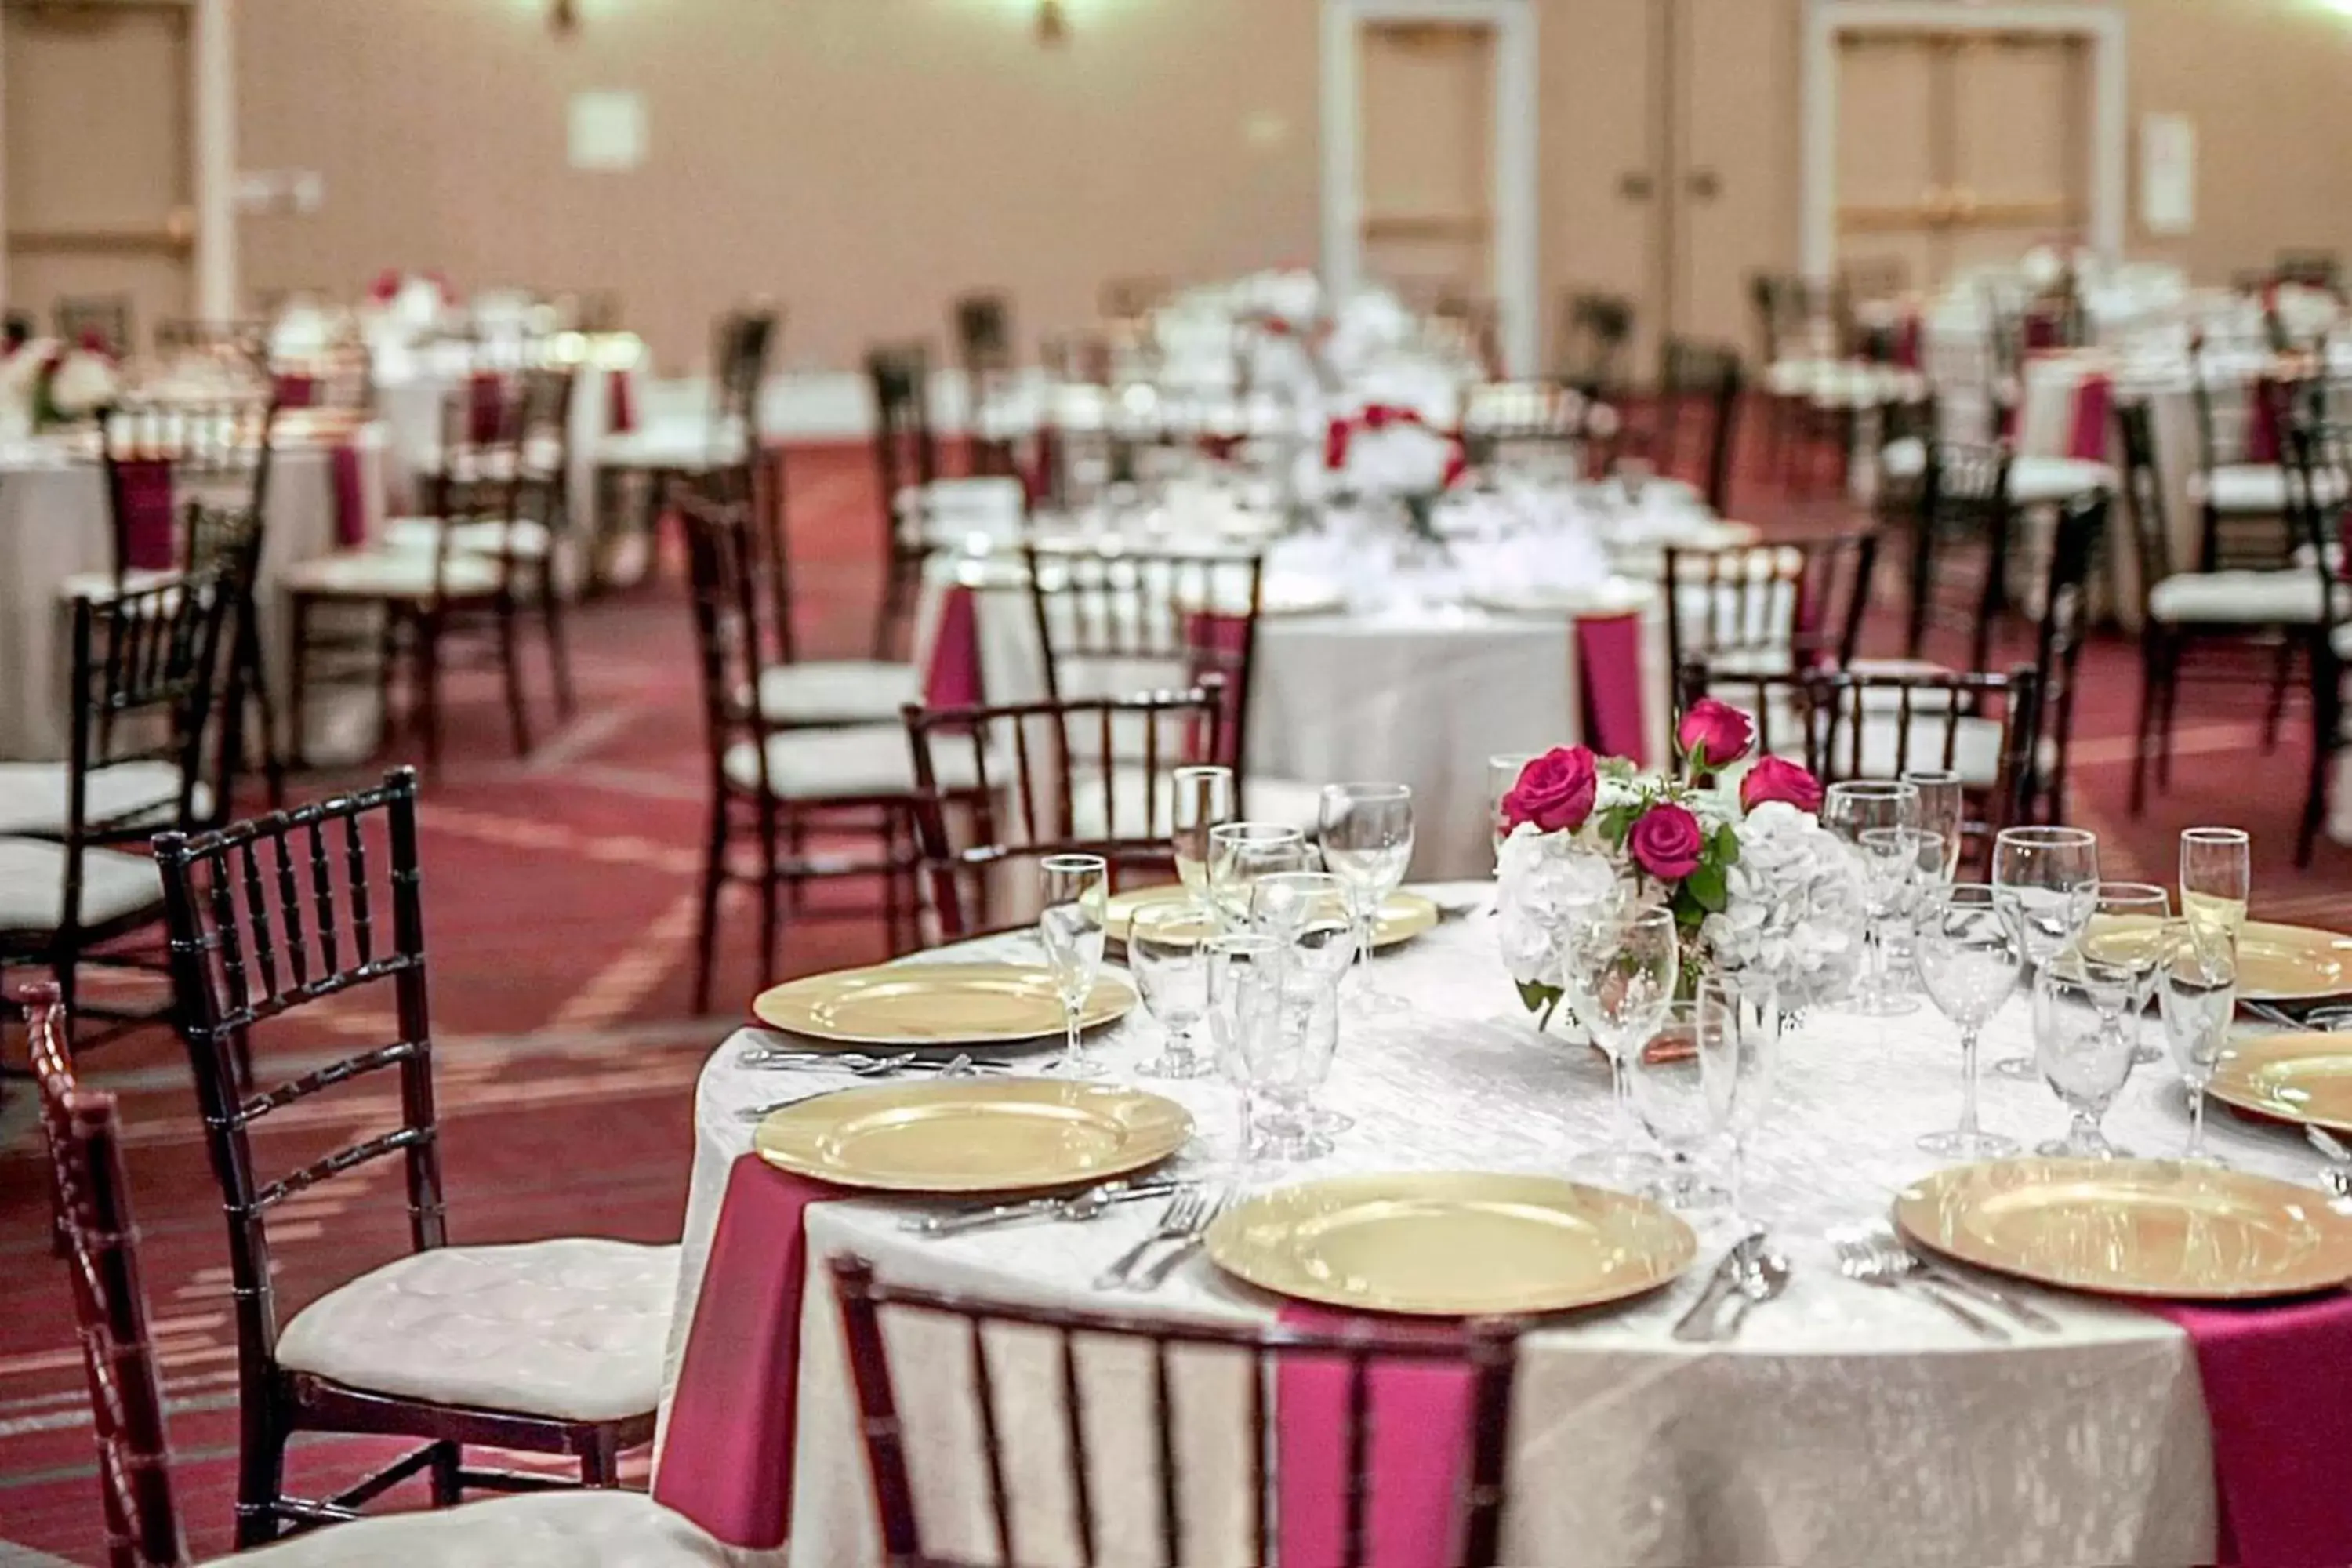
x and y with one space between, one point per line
1890 860
1242 852
2127 929
1202 798
1168 952
1738 1046
1312 914
2046 882
1367 843
1943 808
2217 875
2197 993
1969 959
1680 1099
1503 770
1077 886
2079 1007
1850 809
1620 969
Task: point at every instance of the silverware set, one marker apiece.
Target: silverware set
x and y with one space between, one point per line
1183 1225
1078 1207
1750 1274
1875 1256
857 1066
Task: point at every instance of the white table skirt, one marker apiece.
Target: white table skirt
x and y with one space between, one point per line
54 525
1846 1425
1421 699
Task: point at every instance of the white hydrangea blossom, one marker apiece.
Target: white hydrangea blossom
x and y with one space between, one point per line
84 383
1794 919
1542 877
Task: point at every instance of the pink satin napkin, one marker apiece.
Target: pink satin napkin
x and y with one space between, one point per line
1609 649
2095 401
350 497
621 396
1218 644
2281 1430
1420 1425
727 1455
143 495
952 681
297 391
2262 444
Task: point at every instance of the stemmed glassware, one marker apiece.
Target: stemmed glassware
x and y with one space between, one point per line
1077 886
1943 810
2046 881
1168 953
2197 993
1969 958
1895 863
1367 832
2127 929
2080 1042
1620 969
1851 809
1242 852
1679 1100
1503 770
1200 798
1312 914
1737 1057
1277 1019
2217 875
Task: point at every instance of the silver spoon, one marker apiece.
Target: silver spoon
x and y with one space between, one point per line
1758 1274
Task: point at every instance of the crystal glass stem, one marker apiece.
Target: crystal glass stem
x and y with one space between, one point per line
1969 1126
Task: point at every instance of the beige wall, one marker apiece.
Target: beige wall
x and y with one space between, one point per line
863 160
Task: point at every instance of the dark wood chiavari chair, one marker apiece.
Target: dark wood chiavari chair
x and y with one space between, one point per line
247 340
220 451
1060 1342
1540 422
656 459
1020 781
231 538
1596 333
339 377
1694 420
1843 724
274 915
1960 534
907 465
983 338
1789 606
2064 624
105 319
2320 460
771 781
2240 485
145 665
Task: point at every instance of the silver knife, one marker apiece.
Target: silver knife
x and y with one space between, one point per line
2009 1301
1035 1208
1695 1324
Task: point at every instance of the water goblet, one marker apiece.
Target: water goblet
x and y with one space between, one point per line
2046 881
1677 1101
2127 929
1737 1061
1620 969
1969 958
1168 953
1850 809
1943 809
1242 852
1312 914
2197 993
2084 1049
1200 798
2217 875
1503 770
1077 886
1890 860
1367 833
1278 1021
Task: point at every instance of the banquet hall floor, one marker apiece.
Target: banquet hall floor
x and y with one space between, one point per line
559 895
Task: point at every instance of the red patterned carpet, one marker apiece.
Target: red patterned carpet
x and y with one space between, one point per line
559 903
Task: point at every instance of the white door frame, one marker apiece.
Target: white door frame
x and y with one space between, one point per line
2100 26
1513 238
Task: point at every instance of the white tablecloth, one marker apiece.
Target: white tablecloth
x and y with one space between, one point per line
1846 1425
54 525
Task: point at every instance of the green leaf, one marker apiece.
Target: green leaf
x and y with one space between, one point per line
1537 998
1615 768
1726 846
1708 887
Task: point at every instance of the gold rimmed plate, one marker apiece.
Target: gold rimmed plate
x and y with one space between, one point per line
933 1005
1402 916
1451 1244
2278 963
2133 1227
973 1135
2299 1077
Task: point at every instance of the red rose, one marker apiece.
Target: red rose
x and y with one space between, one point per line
1714 734
1777 778
1555 791
1667 843
385 288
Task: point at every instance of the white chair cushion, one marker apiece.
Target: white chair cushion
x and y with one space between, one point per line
32 796
837 691
1976 751
572 1328
99 585
33 885
2040 481
686 444
525 539
391 574
1286 801
951 511
597 1529
2256 489
2342 638
865 763
2237 598
1905 458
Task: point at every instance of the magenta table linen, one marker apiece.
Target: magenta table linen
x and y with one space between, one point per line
1610 648
952 678
350 497
143 498
1419 1434
621 395
2280 1427
2095 401
727 1457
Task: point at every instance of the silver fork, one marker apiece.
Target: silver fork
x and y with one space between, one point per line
1187 1212
1870 1257
960 1066
1152 1278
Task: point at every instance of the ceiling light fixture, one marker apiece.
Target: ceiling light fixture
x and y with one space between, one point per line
1053 22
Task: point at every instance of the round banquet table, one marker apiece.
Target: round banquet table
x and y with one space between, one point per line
54 526
1845 1424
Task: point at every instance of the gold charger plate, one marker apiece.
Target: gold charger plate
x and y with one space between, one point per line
2299 1077
1402 917
1452 1243
973 1135
2133 1227
2280 963
933 1005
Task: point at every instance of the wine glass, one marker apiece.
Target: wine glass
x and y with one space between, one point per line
1737 1061
1503 770
2046 881
1620 969
2197 993
1168 953
2217 875
2127 929
1278 1021
1071 926
1677 1098
1200 798
1969 959
1850 809
1890 860
1943 809
1312 914
1367 843
1242 852
2083 1046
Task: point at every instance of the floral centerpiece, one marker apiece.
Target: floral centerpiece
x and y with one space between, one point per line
1385 454
1764 897
44 383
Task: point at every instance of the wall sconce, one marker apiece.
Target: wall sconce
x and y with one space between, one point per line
563 18
1053 22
